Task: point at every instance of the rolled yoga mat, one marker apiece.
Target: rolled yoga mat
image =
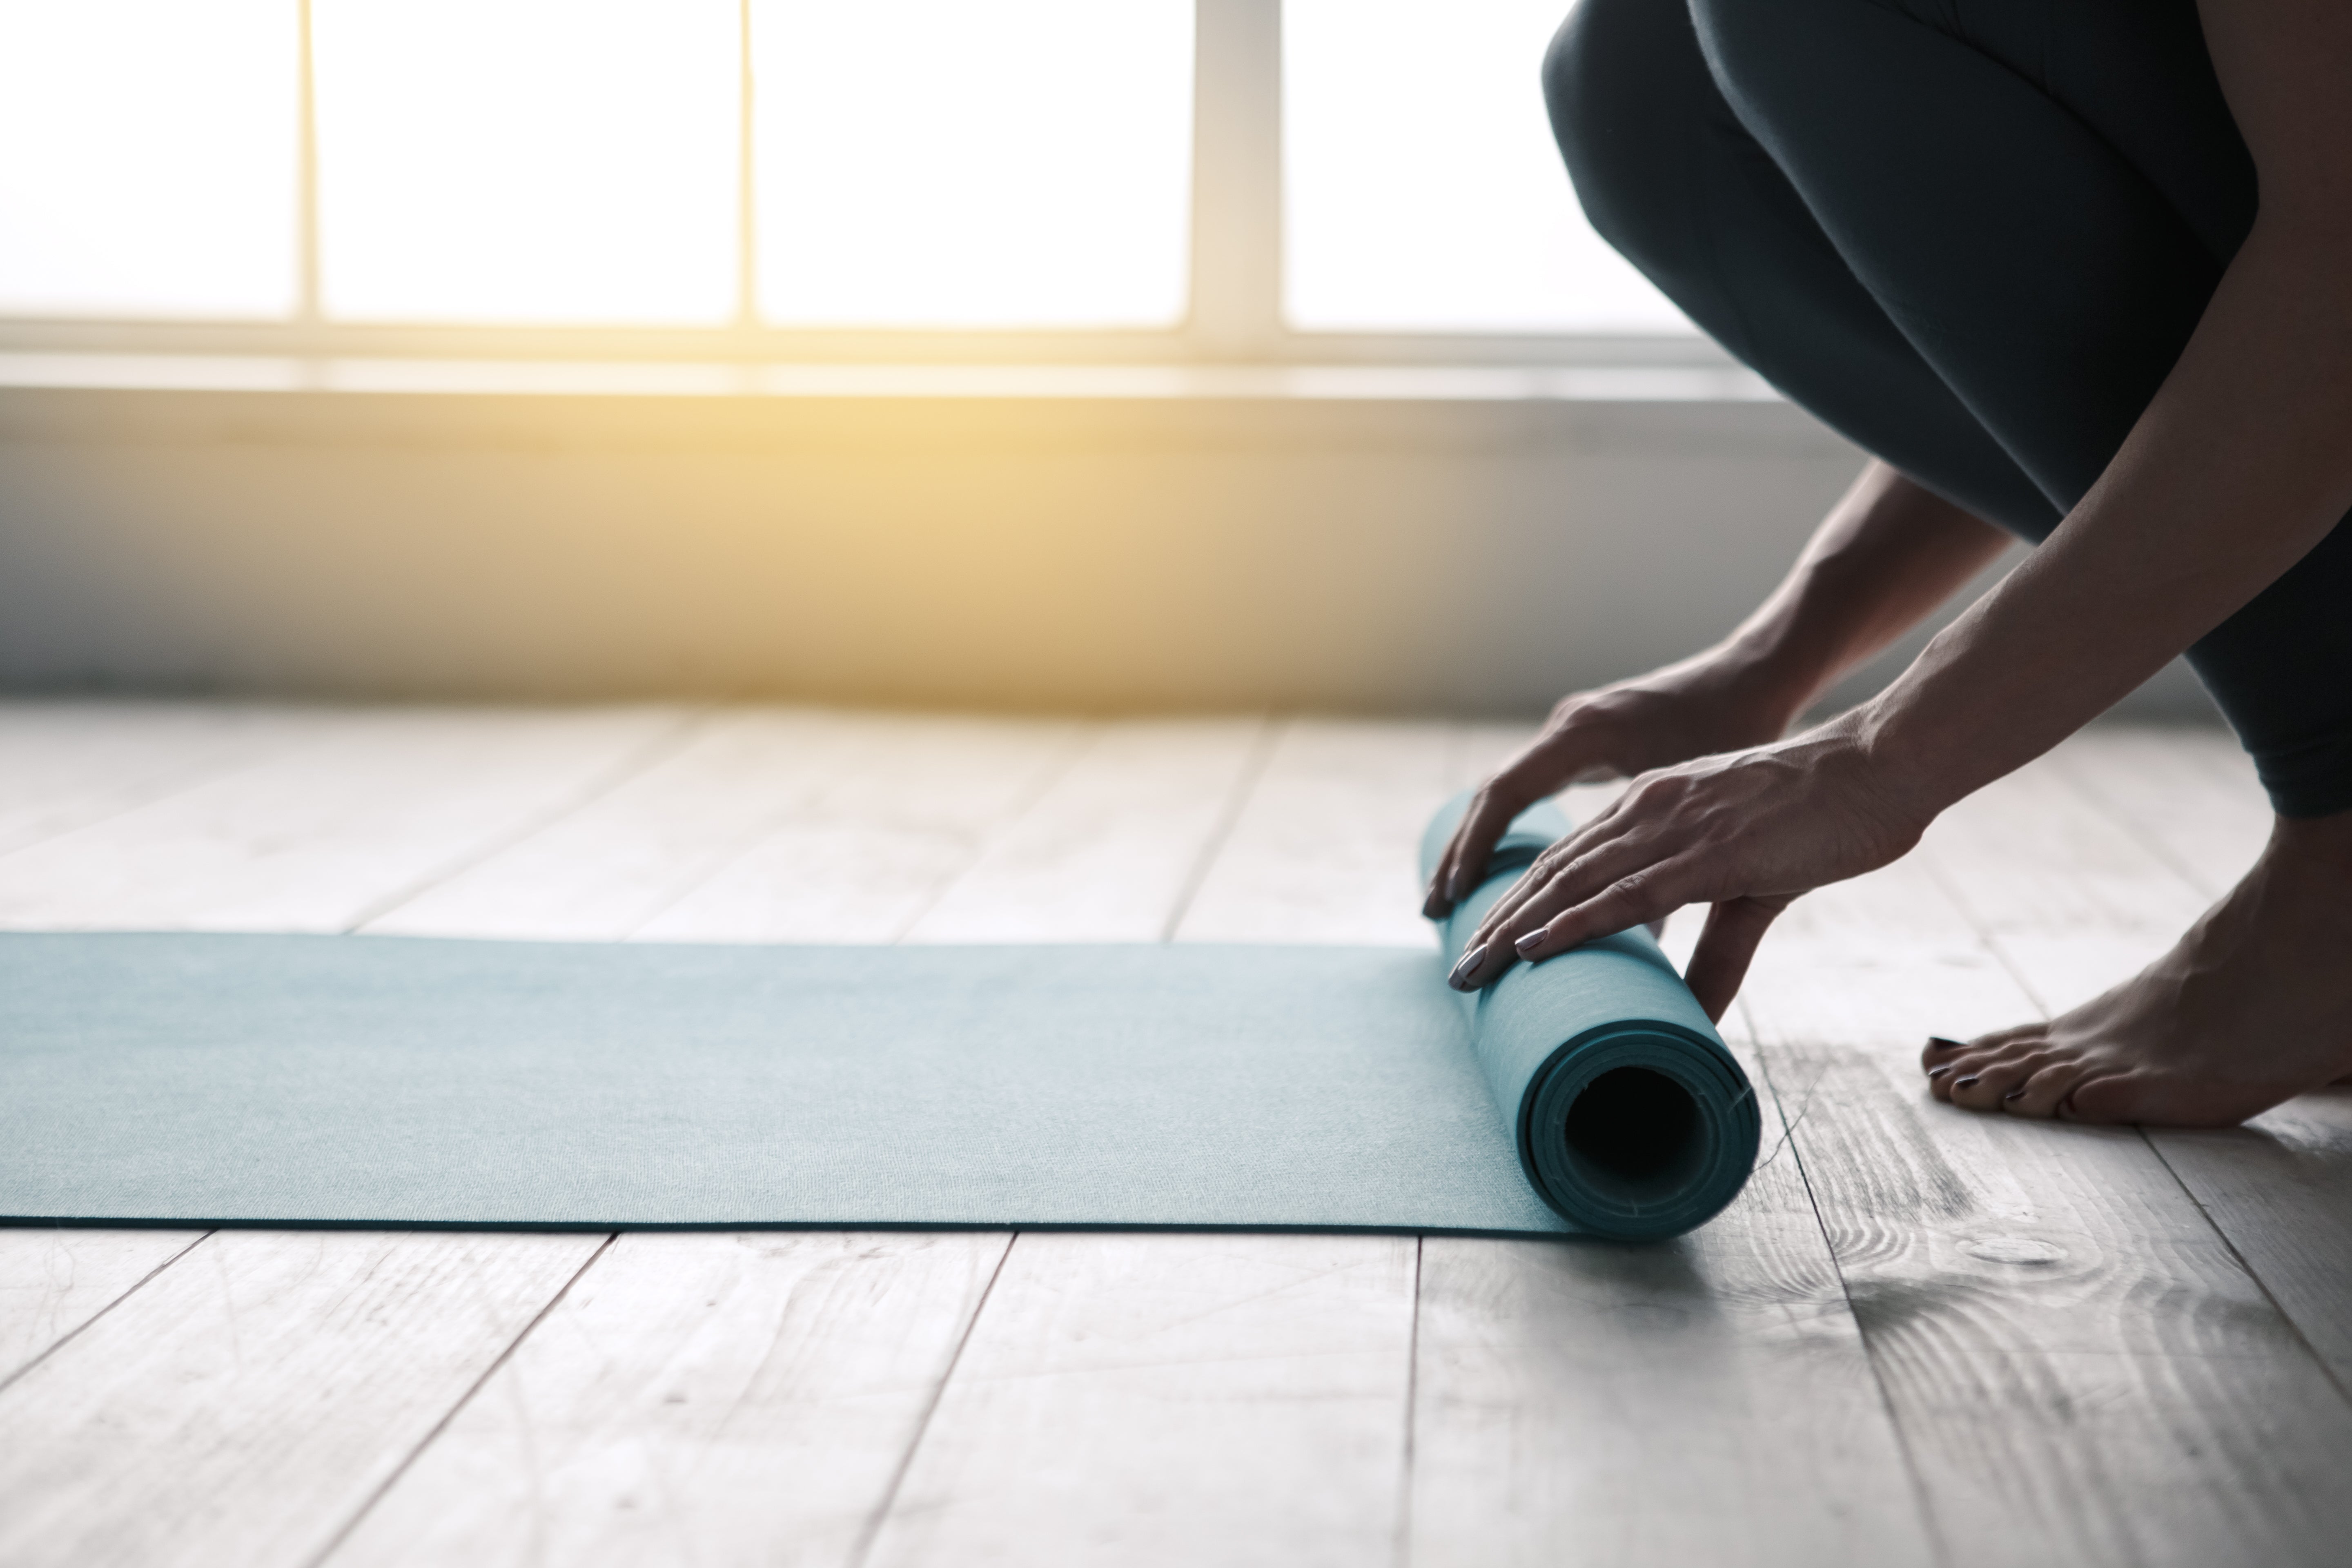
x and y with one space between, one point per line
188 1079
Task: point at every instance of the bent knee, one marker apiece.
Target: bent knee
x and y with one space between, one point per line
1628 94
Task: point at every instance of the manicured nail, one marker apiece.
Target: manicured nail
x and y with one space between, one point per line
1942 1044
1939 1072
1467 966
1964 1082
1528 943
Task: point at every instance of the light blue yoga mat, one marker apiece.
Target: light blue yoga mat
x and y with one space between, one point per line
386 1080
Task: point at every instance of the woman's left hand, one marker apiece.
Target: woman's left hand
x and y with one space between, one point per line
1746 833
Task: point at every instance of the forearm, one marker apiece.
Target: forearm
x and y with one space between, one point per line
1885 556
2238 466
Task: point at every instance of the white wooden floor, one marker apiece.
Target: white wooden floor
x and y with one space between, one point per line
1921 1337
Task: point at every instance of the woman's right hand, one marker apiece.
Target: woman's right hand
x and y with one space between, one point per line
1714 701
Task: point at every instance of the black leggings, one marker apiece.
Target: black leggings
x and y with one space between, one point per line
1971 235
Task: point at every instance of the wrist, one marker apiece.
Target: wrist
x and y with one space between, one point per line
1773 677
1913 770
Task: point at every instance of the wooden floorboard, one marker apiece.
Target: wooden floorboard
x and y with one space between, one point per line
1574 1403
2081 1368
2279 1188
696 1399
245 1403
324 835
54 1279
1920 1335
66 765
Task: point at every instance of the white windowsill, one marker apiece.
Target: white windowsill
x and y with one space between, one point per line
723 379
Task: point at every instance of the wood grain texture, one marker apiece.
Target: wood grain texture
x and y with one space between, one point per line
2188 793
1557 1385
1186 1398
807 1363
1324 850
267 1385
65 765
696 1399
1172 1399
319 838
1112 848
604 870
2071 901
55 1278
897 816
1703 1400
2280 1188
2081 1369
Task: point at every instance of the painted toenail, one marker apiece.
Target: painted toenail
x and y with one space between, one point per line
1942 1044
1964 1082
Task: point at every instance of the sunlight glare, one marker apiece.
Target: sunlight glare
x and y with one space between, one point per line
948 163
528 161
1422 190
148 157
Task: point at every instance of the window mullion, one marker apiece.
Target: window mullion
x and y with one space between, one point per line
308 312
747 196
1237 310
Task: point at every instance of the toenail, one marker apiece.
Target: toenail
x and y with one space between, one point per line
1964 1082
1939 1072
2015 1093
1942 1044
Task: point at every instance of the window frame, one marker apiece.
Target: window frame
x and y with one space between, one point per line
1235 307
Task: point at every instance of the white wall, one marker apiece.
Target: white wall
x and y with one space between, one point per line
1381 554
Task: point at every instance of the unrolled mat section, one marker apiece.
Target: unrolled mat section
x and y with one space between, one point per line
186 1078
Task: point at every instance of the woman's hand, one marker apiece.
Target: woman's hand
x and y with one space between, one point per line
1745 833
1716 701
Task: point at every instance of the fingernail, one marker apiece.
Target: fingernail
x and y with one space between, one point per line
2013 1093
1467 966
1528 943
1942 1044
1964 1082
1939 1072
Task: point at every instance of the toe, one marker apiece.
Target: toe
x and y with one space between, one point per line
1960 1078
1985 1086
2039 1093
1939 1051
2104 1097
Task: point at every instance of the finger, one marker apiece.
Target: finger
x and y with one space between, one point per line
1601 848
1473 844
1726 947
1629 900
1563 876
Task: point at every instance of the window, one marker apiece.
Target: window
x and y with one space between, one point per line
1143 178
1421 192
148 158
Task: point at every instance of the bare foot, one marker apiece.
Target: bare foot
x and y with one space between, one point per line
2253 1006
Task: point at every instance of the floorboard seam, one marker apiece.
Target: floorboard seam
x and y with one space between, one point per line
633 764
2133 828
864 1547
2326 1368
1412 1411
1270 732
342 1533
171 792
1087 735
76 1331
1929 1525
